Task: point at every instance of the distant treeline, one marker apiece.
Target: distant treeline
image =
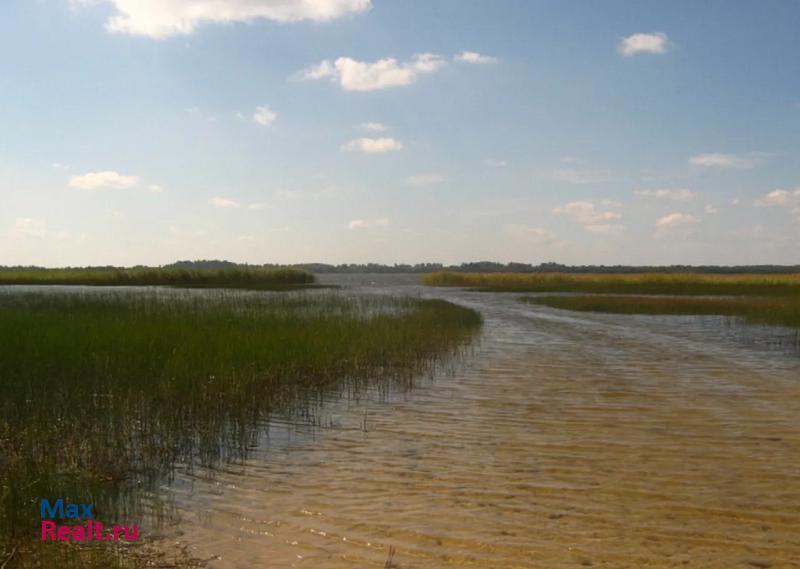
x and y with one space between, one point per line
474 267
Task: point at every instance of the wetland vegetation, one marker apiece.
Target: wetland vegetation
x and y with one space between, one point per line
780 311
691 284
103 393
227 277
754 298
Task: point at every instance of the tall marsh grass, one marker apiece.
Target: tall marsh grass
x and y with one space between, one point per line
648 283
780 311
235 277
103 393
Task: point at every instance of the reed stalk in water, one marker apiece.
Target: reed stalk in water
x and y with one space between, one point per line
104 393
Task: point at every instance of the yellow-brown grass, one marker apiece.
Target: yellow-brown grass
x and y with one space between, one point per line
642 283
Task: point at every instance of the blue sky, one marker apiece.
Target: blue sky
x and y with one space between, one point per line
145 131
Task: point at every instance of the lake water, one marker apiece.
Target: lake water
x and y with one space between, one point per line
562 440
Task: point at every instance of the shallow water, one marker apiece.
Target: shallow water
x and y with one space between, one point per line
563 440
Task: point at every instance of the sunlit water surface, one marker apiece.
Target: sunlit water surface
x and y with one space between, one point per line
562 440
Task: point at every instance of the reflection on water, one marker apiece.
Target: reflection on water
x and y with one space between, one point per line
567 440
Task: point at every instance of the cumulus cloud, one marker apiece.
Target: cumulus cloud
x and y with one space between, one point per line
593 219
789 199
779 198
676 220
674 194
165 18
368 223
155 188
586 213
374 126
725 161
537 235
475 58
676 224
656 42
29 227
372 145
425 180
102 180
225 203
264 116
353 75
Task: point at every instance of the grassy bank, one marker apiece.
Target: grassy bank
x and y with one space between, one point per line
252 277
653 283
756 310
103 394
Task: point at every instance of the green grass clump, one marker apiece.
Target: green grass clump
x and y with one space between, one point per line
103 393
235 277
779 311
647 283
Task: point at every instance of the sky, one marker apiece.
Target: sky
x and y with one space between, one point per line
399 131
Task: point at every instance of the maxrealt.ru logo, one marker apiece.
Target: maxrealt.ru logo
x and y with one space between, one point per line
89 530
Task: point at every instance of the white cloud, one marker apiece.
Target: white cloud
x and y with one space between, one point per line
368 224
425 180
492 163
726 161
102 180
674 194
711 210
224 203
374 126
537 235
676 220
475 58
656 42
352 75
29 227
592 219
264 116
165 18
372 145
676 225
784 199
155 188
779 198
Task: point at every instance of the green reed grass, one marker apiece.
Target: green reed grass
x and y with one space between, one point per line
647 283
238 277
779 311
103 393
